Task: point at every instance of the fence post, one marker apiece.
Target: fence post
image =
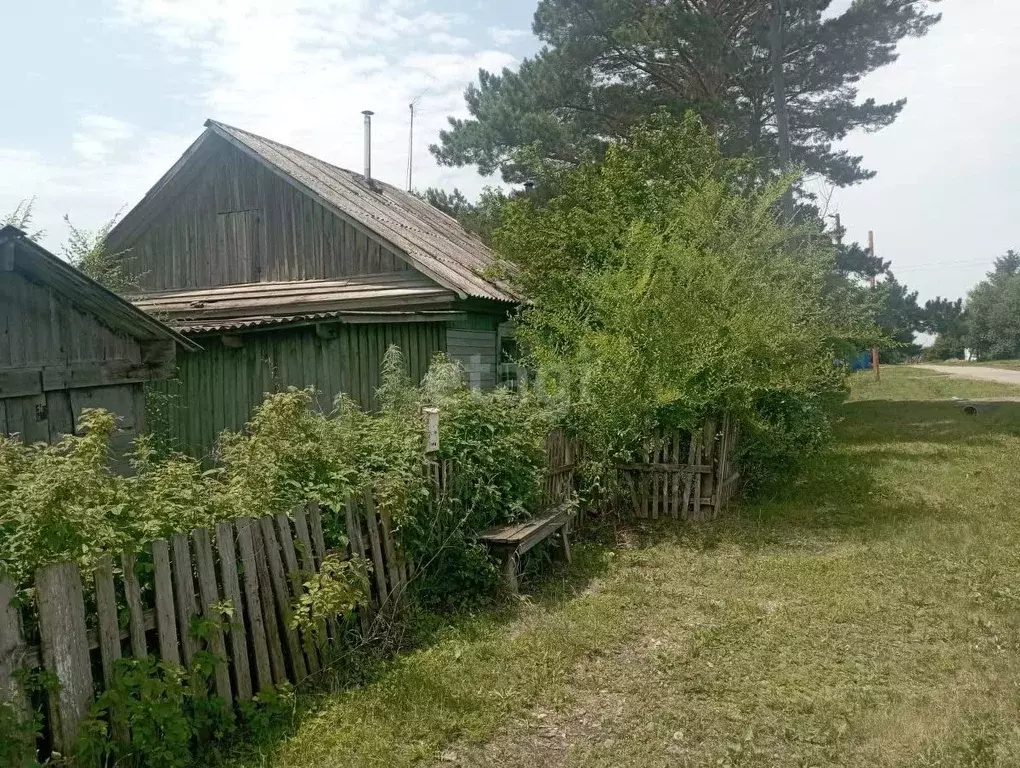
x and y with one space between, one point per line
65 649
12 648
432 426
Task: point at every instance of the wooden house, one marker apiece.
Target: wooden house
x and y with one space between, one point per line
290 271
67 343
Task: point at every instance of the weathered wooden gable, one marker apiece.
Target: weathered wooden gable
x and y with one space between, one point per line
227 219
67 344
56 360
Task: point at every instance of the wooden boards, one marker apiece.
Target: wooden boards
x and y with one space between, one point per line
683 476
65 649
252 571
232 594
12 647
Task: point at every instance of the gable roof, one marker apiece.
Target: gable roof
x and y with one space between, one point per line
28 257
432 242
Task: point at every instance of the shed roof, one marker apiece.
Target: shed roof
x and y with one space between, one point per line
258 304
31 259
432 242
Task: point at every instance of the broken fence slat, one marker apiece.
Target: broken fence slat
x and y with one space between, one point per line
274 641
379 566
184 592
166 624
65 649
133 596
283 600
297 586
232 593
109 635
12 648
256 620
210 596
106 614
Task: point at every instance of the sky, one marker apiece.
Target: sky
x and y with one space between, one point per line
108 93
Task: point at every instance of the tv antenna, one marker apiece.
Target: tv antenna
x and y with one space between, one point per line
410 140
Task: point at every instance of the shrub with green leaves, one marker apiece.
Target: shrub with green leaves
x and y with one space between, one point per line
65 502
663 289
62 502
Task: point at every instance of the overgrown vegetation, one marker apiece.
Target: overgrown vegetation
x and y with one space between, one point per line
663 289
170 713
65 502
84 249
87 250
22 217
863 618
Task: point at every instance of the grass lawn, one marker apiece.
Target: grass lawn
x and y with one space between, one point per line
870 616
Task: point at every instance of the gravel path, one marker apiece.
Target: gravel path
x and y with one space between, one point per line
981 373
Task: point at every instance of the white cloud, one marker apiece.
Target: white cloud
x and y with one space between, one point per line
90 187
506 36
301 72
98 136
944 203
446 40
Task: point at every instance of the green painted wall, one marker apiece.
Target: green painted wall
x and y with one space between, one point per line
473 342
218 388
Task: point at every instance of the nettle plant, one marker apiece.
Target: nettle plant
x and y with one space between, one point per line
66 502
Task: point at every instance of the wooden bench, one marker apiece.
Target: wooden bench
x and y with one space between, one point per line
512 541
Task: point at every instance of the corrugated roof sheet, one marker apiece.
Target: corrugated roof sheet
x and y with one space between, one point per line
433 242
117 313
255 323
405 291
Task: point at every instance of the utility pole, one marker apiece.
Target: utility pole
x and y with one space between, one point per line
782 115
874 350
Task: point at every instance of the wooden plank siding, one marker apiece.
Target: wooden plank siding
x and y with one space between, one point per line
50 351
237 222
40 328
475 348
220 387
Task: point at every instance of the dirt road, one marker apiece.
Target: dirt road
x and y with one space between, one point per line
981 373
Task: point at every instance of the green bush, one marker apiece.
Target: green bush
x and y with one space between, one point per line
64 502
664 289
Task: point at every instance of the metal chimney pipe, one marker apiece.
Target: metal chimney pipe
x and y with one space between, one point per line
368 143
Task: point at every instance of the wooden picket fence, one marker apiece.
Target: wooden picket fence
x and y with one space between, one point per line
686 476
75 629
562 455
560 484
258 566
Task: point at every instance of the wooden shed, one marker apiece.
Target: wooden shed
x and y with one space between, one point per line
66 343
291 271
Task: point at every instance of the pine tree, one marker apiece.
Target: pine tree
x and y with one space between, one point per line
608 64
